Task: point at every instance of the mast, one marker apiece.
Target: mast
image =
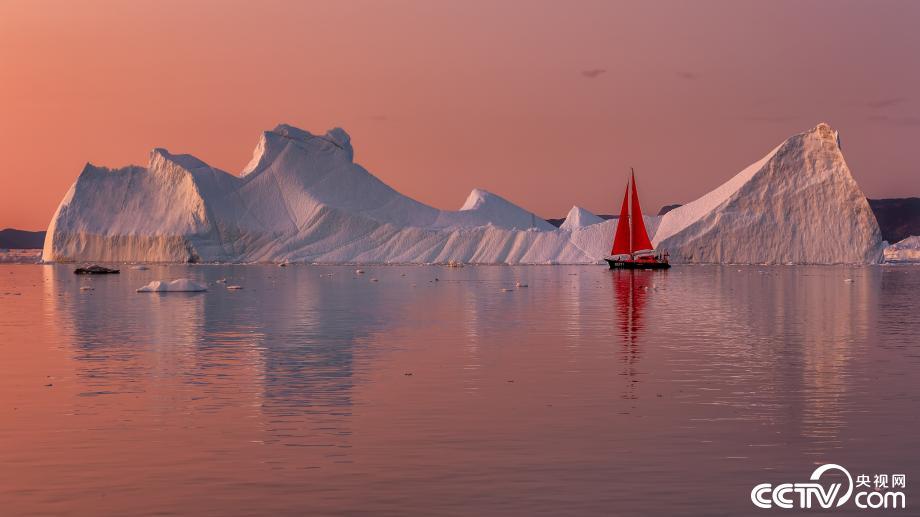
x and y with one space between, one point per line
631 181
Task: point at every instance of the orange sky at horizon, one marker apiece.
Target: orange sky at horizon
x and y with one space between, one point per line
545 103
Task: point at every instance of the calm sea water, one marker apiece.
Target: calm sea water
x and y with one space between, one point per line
315 390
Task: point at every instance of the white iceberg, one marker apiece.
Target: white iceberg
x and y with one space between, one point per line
182 285
906 250
578 217
798 204
303 199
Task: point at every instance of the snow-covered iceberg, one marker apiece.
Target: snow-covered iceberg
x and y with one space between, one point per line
303 199
906 250
578 217
798 204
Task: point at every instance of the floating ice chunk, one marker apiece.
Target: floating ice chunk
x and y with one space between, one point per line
907 250
140 268
183 285
234 287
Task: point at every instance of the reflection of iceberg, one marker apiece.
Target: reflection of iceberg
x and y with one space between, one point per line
839 315
277 357
143 335
783 335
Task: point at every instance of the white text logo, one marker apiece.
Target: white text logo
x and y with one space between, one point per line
812 494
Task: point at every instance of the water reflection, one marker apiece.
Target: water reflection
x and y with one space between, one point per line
291 395
630 289
286 342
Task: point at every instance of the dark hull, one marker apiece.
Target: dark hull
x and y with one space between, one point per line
634 264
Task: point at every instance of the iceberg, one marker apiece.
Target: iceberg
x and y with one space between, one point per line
906 250
578 217
302 198
798 204
182 285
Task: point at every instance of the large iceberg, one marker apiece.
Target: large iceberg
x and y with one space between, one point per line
797 204
303 199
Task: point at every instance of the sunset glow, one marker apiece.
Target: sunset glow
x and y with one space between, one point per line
548 103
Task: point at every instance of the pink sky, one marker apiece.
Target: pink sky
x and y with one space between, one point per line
545 103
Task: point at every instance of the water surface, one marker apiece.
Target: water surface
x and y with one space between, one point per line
317 390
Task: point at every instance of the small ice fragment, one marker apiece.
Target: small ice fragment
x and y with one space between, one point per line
234 287
181 285
359 271
519 284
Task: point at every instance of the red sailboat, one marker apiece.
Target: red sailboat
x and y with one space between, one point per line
632 249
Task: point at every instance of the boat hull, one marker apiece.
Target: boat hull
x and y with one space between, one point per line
637 264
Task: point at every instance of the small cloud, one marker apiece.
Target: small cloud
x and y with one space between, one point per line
593 73
886 103
690 76
772 119
905 120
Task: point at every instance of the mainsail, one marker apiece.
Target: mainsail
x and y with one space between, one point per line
631 235
632 249
640 240
621 239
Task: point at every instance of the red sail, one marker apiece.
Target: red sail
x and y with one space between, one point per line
621 240
640 240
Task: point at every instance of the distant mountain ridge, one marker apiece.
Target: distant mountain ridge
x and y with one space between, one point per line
898 218
11 238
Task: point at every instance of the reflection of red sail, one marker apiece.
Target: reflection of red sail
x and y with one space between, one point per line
621 239
631 289
640 240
